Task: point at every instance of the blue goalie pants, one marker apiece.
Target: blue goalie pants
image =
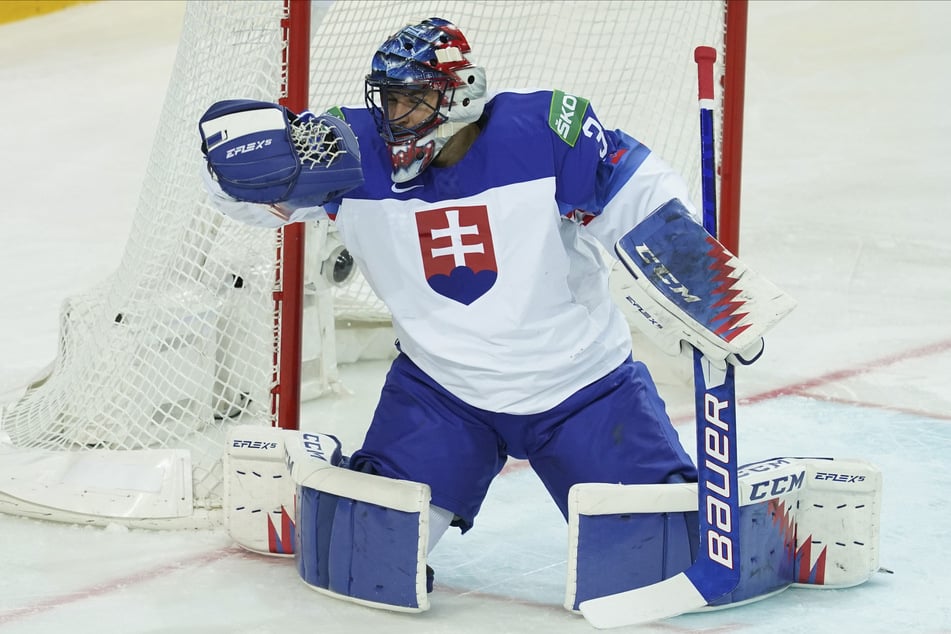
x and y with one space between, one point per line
614 430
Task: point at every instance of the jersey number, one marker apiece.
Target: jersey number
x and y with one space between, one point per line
592 128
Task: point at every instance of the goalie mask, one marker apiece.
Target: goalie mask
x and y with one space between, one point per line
422 88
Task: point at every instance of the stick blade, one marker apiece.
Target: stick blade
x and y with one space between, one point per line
670 597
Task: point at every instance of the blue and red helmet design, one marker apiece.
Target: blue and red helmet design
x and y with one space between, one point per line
426 67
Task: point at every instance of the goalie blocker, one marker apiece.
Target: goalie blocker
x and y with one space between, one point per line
685 287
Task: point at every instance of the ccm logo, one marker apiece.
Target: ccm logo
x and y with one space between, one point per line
777 486
663 274
313 448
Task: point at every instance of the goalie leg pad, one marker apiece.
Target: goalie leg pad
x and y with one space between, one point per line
361 552
663 545
838 527
354 536
258 490
360 537
803 522
627 536
806 522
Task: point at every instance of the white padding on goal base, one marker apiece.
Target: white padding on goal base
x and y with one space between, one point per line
106 486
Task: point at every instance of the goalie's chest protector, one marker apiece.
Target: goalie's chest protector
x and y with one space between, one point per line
493 293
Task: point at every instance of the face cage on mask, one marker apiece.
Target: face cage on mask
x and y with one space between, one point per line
376 95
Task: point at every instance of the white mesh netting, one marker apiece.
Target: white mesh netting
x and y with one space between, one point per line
179 342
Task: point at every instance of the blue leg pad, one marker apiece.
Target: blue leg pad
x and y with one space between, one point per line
358 550
629 550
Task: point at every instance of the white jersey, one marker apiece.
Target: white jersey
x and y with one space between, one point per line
491 267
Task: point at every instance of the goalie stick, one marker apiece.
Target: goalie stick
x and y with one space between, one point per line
716 570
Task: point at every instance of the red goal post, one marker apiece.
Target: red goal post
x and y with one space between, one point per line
207 323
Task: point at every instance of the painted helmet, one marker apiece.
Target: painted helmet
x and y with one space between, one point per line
426 67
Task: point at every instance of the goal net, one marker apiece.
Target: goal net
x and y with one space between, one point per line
184 338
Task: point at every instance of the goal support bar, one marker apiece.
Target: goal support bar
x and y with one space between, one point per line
289 296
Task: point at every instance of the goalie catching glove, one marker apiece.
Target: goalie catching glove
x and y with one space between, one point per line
260 152
685 287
